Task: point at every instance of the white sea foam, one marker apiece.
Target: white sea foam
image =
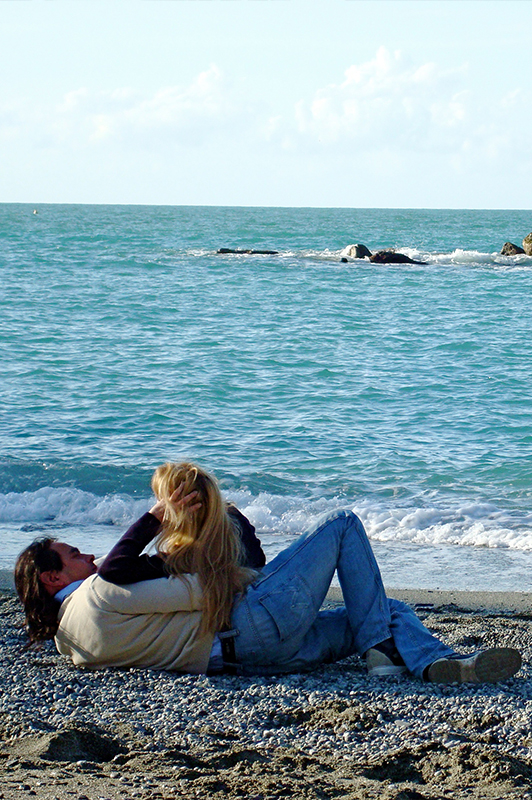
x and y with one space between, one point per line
473 524
476 257
479 525
68 506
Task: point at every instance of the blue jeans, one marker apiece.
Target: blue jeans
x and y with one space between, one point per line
280 627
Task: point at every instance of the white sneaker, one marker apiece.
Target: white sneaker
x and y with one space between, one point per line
486 666
381 665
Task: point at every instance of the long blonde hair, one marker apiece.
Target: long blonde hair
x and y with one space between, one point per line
202 542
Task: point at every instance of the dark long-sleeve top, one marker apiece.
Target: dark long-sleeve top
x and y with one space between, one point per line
126 564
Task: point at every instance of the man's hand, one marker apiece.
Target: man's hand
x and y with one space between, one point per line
177 501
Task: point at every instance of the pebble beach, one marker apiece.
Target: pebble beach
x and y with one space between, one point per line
119 735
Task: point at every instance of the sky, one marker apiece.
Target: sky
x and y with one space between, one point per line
325 103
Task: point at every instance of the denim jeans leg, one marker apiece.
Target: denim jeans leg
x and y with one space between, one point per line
282 604
329 639
281 628
417 646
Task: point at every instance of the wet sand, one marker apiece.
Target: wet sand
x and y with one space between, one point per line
69 733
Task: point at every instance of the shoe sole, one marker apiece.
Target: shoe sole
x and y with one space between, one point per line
489 666
386 672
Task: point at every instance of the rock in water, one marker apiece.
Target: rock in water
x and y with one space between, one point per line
527 244
510 249
356 251
391 257
226 250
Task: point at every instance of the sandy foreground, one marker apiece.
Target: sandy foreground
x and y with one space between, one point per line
335 733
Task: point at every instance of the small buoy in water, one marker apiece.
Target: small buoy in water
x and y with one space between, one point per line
35 211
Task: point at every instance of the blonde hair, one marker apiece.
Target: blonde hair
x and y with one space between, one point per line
202 542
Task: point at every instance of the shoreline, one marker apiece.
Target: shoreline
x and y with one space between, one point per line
505 602
509 602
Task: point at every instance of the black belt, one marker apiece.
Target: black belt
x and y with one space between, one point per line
227 640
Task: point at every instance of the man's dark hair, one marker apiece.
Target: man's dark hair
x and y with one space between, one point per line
40 607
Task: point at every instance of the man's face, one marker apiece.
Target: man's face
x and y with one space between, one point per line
76 566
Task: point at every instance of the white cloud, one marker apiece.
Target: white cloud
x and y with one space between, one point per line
386 101
184 115
389 105
187 114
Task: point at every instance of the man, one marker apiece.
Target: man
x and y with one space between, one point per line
43 571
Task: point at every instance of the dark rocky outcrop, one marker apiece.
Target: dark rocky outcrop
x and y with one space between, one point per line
510 249
226 250
382 257
527 244
391 257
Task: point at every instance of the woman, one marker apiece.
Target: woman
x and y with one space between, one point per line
271 621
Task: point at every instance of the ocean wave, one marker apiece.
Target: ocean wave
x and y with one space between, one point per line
470 524
474 525
70 506
476 257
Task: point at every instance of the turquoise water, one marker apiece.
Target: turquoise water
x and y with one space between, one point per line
401 391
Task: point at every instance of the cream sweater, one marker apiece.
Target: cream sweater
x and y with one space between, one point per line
152 624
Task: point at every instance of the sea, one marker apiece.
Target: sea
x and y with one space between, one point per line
304 382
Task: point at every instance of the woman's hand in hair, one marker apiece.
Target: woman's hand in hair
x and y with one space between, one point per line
177 501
